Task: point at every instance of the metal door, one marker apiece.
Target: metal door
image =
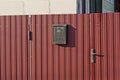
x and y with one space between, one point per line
105 40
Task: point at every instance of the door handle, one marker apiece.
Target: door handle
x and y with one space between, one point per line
92 55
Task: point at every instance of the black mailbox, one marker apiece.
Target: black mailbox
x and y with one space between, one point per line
59 33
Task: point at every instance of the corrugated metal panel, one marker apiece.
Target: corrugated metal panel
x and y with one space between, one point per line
97 23
92 44
86 46
107 46
116 46
110 48
104 46
13 48
60 62
68 52
72 61
39 59
80 50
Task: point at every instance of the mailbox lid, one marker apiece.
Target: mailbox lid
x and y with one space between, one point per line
59 25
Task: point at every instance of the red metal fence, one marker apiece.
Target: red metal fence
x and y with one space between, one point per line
13 48
39 59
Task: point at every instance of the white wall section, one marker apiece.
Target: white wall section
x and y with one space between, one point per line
11 8
63 7
29 7
36 7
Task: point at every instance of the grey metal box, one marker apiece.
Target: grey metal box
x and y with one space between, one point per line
59 33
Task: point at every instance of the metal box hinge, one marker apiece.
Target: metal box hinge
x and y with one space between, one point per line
29 35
